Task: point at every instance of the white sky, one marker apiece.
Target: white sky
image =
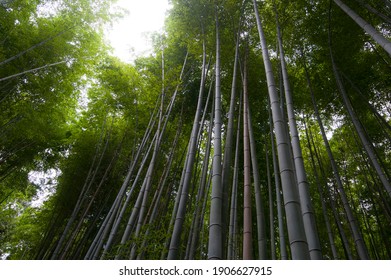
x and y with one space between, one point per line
129 36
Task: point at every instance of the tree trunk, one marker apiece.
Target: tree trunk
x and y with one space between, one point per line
226 168
271 205
159 192
247 216
361 249
296 232
331 198
124 207
34 47
280 210
175 208
232 250
92 199
82 196
32 70
215 244
259 205
360 130
180 215
97 243
321 197
303 186
374 11
202 186
379 38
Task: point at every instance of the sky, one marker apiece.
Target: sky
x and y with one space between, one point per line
129 36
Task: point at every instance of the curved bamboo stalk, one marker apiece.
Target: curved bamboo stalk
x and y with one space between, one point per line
377 36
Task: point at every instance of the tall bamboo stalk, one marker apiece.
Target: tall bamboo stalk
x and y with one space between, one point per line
296 232
280 210
377 36
303 185
215 243
271 205
352 220
183 195
321 197
247 194
232 250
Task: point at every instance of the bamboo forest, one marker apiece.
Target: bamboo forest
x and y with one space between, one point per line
255 129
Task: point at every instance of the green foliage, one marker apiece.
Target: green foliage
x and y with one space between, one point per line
87 117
